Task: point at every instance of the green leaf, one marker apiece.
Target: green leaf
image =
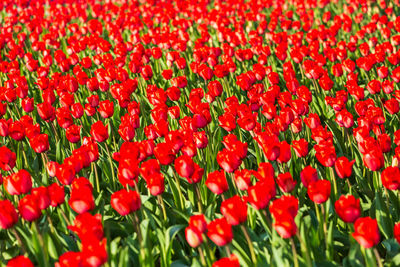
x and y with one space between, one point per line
383 216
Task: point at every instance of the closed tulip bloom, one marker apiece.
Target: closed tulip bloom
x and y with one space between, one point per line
285 154
216 182
243 178
265 171
29 209
7 159
197 175
155 184
343 167
308 175
51 168
65 174
234 210
348 208
284 204
374 160
40 143
184 166
18 183
42 196
56 194
99 132
28 104
261 193
164 153
220 232
81 200
228 160
125 202
366 232
319 191
46 111
385 143
20 261
285 225
94 252
77 110
8 214
300 147
73 133
193 236
391 178
106 108
198 222
286 182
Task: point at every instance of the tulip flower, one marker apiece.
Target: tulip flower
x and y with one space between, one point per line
348 208
366 232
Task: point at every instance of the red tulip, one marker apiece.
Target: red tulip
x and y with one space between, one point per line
391 178
40 143
8 215
88 227
348 208
99 132
198 222
42 196
220 232
232 261
234 210
284 204
285 225
184 166
125 202
319 191
308 175
366 232
29 209
243 179
73 133
20 261
193 236
374 159
265 171
164 153
106 109
261 193
18 183
228 160
300 147
343 167
155 184
216 182
7 159
81 200
56 194
286 182
70 258
65 174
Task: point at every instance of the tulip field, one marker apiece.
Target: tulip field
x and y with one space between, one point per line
199 133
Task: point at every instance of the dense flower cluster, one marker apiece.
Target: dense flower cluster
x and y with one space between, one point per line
198 132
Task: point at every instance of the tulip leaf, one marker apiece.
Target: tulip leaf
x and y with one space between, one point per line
383 216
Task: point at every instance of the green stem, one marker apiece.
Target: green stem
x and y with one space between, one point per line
296 261
251 247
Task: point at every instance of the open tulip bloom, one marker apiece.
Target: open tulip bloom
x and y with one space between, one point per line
199 133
